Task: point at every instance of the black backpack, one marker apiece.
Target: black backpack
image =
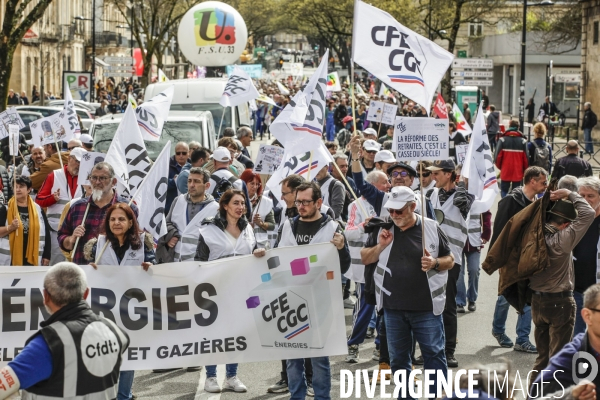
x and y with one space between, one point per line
541 155
222 185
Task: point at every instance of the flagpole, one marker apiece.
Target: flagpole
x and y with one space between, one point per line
423 206
82 222
221 123
352 94
309 166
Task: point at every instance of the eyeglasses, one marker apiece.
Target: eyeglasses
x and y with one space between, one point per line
425 174
393 211
181 153
74 147
286 193
396 174
592 309
304 203
99 178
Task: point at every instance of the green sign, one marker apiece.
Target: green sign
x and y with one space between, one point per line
462 54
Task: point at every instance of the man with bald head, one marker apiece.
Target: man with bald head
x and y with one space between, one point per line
572 164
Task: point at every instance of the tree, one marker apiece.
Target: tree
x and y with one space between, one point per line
15 25
150 22
260 17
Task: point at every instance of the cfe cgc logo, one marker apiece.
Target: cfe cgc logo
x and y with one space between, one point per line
99 349
584 366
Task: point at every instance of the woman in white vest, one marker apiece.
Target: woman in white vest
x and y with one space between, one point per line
263 218
127 245
24 229
227 234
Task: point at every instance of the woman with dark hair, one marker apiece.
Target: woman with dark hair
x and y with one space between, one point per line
263 219
227 234
127 245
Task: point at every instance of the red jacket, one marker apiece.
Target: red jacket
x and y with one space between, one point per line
45 198
511 156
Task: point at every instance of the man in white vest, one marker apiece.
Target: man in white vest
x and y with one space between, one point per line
333 191
410 282
222 158
311 227
451 205
57 190
187 213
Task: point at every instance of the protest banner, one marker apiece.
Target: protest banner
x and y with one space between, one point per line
254 71
268 160
417 139
88 160
375 113
78 84
461 153
52 129
13 140
244 309
389 114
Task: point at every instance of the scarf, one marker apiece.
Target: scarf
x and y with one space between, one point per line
16 238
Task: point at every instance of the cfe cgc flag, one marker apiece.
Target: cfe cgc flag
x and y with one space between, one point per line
299 126
399 57
152 195
461 123
152 114
71 115
239 89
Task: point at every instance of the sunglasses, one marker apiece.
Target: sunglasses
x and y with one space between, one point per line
371 151
181 153
393 211
396 174
425 174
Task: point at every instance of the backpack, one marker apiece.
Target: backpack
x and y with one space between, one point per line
222 185
541 156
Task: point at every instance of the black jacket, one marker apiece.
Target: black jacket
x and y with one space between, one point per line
508 207
340 112
589 119
571 165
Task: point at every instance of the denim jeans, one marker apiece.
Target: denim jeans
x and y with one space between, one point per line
587 137
505 187
373 322
580 325
470 262
523 320
211 370
427 329
321 378
125 384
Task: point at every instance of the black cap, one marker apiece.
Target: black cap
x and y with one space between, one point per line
445 165
565 209
407 167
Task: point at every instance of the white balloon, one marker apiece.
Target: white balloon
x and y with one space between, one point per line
212 34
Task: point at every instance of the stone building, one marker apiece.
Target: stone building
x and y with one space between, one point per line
590 58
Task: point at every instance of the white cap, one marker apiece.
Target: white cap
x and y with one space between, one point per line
86 139
77 152
385 156
398 197
370 131
221 154
371 145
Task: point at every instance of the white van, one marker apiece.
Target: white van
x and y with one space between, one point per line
203 95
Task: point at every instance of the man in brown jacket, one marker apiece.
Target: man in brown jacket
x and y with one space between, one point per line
50 164
552 304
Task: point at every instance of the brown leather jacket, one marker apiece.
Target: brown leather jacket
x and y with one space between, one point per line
50 164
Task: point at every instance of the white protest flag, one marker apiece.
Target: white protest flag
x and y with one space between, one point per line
152 114
301 129
282 89
461 123
299 164
384 91
161 76
399 57
239 89
152 195
479 167
266 99
127 154
132 101
71 115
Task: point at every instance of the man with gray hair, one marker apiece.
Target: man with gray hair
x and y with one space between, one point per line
51 365
571 164
244 135
341 161
589 122
568 182
586 253
102 178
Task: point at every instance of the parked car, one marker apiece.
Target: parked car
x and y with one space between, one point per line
46 111
28 117
91 107
180 126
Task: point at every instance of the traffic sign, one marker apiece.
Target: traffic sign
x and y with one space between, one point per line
483 63
118 68
457 82
474 74
118 60
118 74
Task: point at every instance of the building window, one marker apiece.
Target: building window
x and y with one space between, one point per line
475 28
595 37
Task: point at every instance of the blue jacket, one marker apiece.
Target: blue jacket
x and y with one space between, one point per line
181 182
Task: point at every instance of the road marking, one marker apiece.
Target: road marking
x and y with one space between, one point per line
200 393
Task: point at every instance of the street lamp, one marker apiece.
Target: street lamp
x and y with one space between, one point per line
543 3
93 19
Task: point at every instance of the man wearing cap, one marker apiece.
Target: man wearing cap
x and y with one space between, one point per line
451 205
222 158
370 133
426 180
410 287
87 141
56 191
365 164
552 304
383 160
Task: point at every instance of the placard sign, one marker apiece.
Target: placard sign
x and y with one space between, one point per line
268 160
380 111
461 153
417 139
389 114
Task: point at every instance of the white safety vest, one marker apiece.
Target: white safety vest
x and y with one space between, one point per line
356 237
324 235
474 230
54 211
5 253
185 249
220 246
436 280
454 225
109 257
264 208
224 173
